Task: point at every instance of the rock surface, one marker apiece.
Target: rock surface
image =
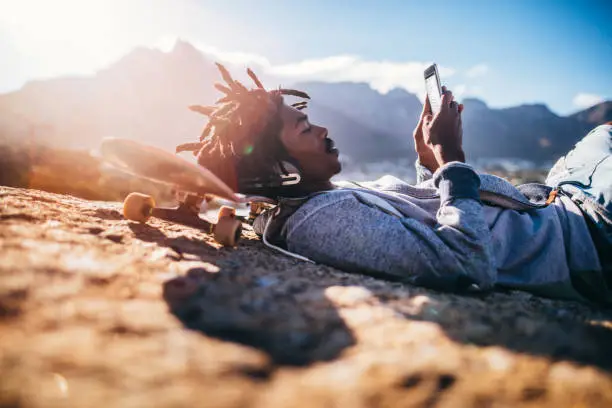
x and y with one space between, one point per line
99 311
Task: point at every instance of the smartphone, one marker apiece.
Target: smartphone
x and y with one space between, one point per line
434 90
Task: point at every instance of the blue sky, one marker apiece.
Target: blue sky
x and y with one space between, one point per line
506 52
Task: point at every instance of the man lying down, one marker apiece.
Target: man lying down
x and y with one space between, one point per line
454 230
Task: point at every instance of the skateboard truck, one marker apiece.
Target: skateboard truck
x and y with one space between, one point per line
140 207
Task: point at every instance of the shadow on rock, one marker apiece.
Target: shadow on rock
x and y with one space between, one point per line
519 322
289 320
181 245
292 312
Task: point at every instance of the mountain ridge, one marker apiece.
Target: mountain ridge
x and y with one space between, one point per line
144 96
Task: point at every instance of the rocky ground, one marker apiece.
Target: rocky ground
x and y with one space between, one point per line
99 311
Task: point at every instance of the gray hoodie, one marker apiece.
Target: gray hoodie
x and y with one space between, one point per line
458 230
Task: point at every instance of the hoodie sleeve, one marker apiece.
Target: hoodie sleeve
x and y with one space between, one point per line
452 254
422 172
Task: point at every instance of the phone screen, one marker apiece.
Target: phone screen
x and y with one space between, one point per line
432 86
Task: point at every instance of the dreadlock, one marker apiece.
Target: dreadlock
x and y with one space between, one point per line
241 140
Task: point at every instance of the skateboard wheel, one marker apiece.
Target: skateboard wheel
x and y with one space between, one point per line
227 231
226 211
138 207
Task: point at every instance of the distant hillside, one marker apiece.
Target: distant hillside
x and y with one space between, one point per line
144 96
530 132
395 113
357 140
595 115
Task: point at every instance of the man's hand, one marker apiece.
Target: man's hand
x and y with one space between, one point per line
443 133
424 153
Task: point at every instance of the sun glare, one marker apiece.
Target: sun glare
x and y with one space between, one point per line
78 36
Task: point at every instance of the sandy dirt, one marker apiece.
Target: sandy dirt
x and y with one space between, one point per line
99 311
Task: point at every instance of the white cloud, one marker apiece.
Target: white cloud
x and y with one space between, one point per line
586 100
459 90
476 91
380 75
463 91
477 71
233 57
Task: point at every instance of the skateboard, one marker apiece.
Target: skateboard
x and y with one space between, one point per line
194 184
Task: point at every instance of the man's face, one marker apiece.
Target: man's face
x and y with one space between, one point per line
309 145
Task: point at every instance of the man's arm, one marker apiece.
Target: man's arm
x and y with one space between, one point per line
426 162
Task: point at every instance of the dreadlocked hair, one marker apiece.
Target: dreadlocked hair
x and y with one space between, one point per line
242 137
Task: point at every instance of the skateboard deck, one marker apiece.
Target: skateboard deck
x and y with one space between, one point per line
162 166
159 165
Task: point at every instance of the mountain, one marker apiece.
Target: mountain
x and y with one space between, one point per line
396 113
356 140
144 96
529 132
595 115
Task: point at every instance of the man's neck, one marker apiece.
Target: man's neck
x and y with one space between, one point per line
305 188
310 187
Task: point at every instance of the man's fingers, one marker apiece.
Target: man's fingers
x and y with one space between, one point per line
460 107
447 98
426 108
